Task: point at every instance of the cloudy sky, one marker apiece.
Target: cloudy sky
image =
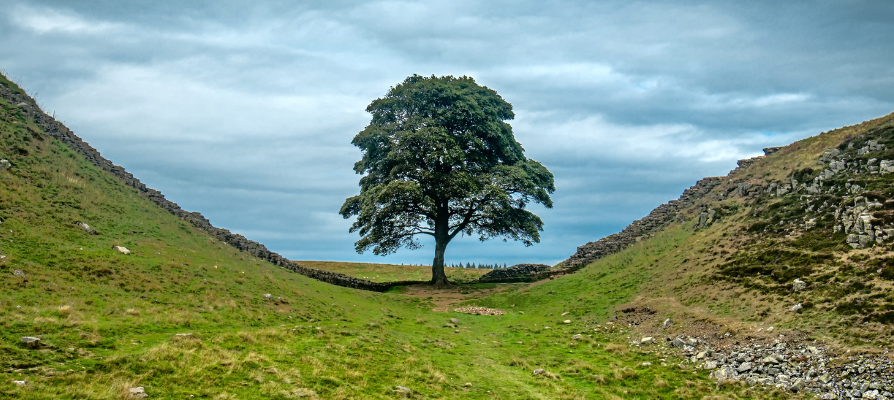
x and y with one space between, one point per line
245 110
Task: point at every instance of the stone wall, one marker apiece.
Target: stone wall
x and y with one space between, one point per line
640 229
59 131
518 273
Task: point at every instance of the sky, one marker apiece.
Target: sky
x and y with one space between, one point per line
245 110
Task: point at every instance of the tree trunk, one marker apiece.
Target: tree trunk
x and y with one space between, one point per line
442 237
438 277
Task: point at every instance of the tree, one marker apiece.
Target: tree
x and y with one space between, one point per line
439 159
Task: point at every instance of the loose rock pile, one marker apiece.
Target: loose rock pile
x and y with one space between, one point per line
479 310
791 366
801 368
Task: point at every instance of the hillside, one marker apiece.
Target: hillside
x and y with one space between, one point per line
789 257
809 223
196 312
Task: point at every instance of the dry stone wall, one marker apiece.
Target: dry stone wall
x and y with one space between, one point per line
640 229
518 273
56 129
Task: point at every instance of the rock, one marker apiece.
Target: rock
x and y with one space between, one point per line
646 364
745 366
567 321
268 296
454 320
86 228
667 323
138 393
19 383
18 272
31 341
723 374
121 249
577 337
402 389
539 371
828 154
711 365
771 150
647 340
5 165
798 284
886 167
796 307
677 343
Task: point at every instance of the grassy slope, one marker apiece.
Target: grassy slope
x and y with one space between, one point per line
109 321
393 273
679 272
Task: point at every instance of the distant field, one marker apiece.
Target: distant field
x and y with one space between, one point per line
392 272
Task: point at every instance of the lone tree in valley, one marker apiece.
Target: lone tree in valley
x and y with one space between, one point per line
439 159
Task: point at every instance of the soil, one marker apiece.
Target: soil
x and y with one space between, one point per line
445 299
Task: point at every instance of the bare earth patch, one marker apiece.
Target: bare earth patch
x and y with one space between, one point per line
445 298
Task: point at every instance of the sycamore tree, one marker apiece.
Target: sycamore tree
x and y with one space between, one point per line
439 159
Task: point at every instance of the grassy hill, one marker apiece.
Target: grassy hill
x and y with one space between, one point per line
801 238
185 315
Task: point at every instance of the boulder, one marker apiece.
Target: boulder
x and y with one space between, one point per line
771 150
402 390
31 341
121 249
5 164
86 228
798 284
138 393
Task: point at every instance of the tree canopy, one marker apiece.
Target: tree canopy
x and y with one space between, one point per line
439 159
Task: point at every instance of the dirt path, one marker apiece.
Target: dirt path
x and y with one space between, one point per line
444 299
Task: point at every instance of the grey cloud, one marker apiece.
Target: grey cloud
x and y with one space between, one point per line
245 110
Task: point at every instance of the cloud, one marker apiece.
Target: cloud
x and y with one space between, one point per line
244 110
48 21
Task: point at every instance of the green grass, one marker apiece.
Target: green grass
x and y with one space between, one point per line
394 273
110 322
